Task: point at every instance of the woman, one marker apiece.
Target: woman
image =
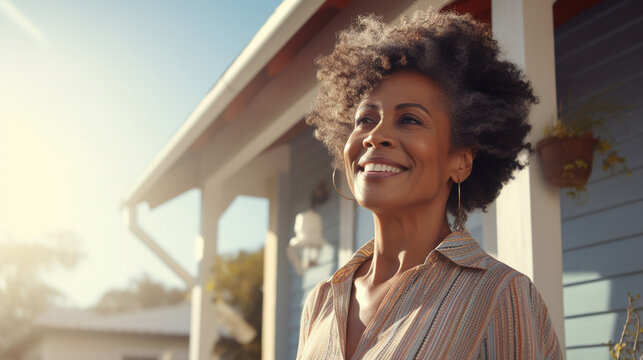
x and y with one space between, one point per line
426 119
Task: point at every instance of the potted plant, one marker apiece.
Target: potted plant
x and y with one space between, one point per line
567 151
628 346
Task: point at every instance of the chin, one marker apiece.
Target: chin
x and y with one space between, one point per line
378 202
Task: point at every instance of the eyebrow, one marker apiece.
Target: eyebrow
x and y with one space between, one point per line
397 107
367 107
409 105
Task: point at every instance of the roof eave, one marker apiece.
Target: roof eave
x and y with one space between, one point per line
286 20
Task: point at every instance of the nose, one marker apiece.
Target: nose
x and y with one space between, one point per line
380 136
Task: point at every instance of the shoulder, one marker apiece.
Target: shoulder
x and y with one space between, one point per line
493 278
515 291
310 314
519 323
515 286
321 290
316 299
499 276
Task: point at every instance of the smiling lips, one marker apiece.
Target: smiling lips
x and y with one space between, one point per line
378 169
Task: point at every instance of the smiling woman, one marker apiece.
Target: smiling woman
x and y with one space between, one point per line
426 119
398 154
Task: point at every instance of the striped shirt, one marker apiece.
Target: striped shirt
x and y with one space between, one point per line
459 304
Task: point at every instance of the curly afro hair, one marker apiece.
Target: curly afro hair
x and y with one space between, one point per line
489 98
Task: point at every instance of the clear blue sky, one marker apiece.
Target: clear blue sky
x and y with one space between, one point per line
90 91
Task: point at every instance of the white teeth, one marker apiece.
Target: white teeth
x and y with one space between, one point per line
381 168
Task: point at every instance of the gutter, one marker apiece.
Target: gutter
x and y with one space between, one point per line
131 221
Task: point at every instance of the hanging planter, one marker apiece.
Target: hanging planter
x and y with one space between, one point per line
567 153
567 162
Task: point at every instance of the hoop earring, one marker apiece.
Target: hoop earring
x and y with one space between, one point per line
335 186
460 215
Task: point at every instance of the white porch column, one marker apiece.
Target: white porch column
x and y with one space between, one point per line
203 327
528 209
271 259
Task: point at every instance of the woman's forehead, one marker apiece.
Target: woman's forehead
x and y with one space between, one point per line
403 86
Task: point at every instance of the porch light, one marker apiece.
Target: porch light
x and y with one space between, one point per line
304 249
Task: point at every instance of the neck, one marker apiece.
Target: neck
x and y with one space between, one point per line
403 239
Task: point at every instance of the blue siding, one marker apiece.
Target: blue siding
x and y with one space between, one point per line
364 226
309 166
601 49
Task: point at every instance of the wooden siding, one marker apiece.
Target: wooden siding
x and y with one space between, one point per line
603 239
310 165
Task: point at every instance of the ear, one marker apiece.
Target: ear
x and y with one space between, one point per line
463 163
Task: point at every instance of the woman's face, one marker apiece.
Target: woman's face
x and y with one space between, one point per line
398 153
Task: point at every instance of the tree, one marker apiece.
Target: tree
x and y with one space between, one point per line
23 292
143 292
238 280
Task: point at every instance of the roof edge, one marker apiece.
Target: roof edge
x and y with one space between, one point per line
284 22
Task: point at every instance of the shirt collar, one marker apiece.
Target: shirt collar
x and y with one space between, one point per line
463 249
459 247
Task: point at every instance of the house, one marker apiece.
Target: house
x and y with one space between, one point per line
158 333
247 137
73 334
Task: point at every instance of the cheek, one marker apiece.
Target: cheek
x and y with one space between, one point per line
432 157
427 151
351 150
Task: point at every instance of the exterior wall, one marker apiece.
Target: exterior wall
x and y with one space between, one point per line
364 226
100 346
603 238
310 165
33 353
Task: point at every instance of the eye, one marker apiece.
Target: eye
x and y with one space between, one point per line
363 120
407 119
